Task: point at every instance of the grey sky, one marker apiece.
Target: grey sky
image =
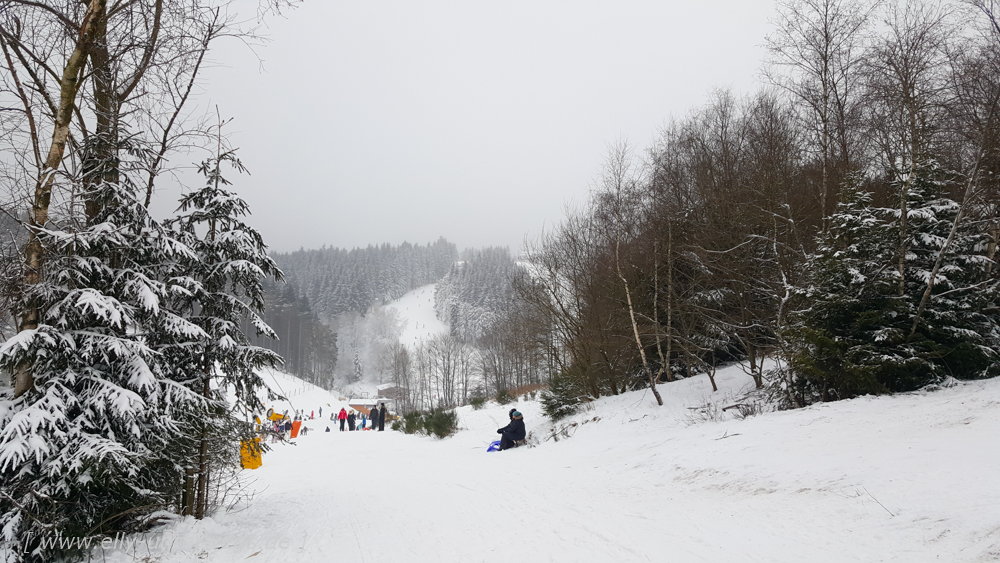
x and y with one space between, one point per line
392 120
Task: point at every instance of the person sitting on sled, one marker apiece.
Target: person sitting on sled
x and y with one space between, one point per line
513 432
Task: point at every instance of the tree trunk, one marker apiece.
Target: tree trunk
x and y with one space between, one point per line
69 87
201 500
635 331
711 374
187 501
105 113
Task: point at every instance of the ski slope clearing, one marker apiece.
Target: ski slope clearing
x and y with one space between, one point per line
910 478
300 396
420 322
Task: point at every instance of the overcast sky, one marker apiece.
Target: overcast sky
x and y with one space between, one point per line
375 121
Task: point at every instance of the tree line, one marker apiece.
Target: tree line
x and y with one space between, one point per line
304 340
836 233
474 291
337 280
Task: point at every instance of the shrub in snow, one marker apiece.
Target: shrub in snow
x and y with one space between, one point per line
413 422
441 423
437 422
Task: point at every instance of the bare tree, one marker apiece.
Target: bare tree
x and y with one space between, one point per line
819 42
617 180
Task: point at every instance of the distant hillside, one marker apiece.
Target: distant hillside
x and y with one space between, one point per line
336 280
475 292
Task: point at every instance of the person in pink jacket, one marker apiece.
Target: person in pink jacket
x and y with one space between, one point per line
343 418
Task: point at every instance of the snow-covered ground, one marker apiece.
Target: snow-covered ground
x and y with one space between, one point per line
420 322
909 478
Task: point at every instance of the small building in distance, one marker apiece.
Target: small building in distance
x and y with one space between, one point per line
388 391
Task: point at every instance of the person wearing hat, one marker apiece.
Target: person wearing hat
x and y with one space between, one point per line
513 432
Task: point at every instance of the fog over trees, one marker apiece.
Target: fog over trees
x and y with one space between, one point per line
485 350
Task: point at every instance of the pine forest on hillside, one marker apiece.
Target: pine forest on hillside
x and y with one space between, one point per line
336 281
335 348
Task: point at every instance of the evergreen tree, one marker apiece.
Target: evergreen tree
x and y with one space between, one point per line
82 451
855 335
222 274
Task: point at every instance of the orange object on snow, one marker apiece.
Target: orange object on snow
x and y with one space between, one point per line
250 454
295 428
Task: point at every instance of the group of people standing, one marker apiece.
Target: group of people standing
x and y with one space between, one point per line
359 420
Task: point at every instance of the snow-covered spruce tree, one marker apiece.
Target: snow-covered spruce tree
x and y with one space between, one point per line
81 449
855 335
563 397
223 277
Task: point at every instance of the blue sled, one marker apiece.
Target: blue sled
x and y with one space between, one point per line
494 447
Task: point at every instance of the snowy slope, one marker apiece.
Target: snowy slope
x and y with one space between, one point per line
420 322
910 478
300 395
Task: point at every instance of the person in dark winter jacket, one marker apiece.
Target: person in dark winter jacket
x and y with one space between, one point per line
342 417
513 432
381 418
351 420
